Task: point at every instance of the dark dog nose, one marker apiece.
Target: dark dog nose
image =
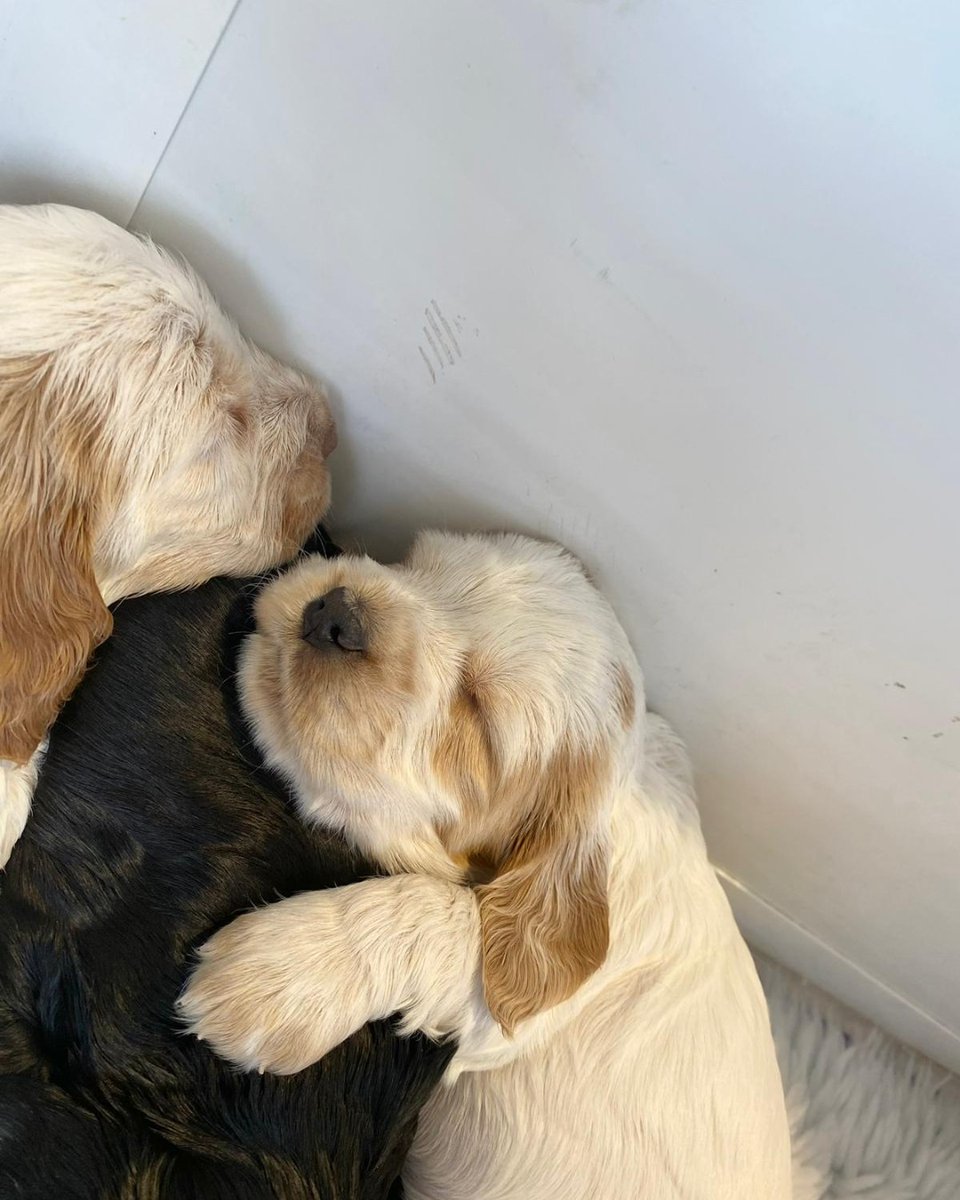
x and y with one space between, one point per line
334 620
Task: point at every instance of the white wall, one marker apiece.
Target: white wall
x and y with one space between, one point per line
676 283
90 92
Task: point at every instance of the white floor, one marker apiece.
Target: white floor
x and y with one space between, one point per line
872 1119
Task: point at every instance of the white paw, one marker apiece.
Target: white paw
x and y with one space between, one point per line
278 988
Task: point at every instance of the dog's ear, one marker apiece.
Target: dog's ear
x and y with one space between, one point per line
544 917
51 612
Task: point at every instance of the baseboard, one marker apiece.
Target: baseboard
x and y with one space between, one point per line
776 935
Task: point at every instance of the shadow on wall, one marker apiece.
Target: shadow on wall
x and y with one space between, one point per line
22 185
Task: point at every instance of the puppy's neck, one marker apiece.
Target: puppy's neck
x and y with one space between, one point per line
118 569
421 854
394 827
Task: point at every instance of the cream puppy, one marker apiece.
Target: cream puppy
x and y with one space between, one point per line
473 719
144 446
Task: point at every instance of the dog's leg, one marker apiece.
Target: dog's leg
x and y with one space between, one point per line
279 987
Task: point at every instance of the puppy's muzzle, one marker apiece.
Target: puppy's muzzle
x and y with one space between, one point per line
334 622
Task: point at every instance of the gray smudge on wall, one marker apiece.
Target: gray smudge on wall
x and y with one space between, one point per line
442 347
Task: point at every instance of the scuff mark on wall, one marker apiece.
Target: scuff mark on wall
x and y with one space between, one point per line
441 340
433 374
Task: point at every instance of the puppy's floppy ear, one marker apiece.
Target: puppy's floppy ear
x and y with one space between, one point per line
51 612
544 917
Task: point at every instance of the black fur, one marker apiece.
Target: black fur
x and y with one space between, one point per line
150 829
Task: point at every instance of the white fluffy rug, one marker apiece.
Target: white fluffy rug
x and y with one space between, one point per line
872 1120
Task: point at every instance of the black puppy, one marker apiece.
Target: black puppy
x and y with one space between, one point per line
149 830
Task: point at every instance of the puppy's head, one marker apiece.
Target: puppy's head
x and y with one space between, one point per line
144 446
469 712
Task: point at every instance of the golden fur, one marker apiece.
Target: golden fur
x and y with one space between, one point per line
51 612
544 917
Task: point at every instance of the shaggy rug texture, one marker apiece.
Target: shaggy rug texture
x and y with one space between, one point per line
871 1119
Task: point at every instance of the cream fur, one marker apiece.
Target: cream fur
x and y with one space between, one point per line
16 791
145 445
656 1078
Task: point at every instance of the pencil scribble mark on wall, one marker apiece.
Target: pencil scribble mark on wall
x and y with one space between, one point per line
433 374
440 347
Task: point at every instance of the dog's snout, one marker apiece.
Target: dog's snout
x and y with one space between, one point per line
334 619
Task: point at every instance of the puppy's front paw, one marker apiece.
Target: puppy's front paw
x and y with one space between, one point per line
278 988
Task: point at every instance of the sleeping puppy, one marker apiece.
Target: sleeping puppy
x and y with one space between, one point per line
144 446
149 830
475 716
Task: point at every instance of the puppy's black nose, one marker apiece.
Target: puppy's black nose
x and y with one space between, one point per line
334 620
